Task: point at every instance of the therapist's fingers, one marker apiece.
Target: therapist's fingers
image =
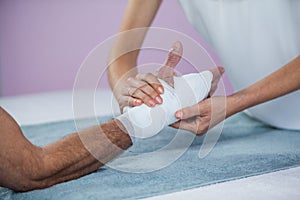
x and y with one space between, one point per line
144 97
204 115
195 110
152 81
197 125
129 101
193 119
188 112
145 87
166 72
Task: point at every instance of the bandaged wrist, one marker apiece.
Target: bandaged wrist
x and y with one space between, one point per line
144 121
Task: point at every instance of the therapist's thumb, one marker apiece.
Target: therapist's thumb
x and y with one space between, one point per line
188 112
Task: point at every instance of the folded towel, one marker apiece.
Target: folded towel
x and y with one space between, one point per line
245 148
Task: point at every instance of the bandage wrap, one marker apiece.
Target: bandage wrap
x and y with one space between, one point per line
144 122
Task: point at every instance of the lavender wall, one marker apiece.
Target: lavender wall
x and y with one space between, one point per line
43 42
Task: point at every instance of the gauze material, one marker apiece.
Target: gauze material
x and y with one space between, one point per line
143 121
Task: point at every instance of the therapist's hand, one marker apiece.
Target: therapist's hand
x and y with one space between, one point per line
143 88
204 115
146 88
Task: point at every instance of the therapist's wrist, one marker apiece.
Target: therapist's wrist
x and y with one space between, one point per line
118 73
236 102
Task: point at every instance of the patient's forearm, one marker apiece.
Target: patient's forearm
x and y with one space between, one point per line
281 82
25 166
69 157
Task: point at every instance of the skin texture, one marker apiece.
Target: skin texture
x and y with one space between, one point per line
146 88
198 118
25 166
124 67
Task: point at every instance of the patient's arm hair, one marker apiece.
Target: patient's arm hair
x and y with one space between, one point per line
25 166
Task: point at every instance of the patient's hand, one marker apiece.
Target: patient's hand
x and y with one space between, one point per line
146 88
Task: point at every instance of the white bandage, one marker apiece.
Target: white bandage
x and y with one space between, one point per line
143 121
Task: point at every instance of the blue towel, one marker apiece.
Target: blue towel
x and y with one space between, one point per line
245 148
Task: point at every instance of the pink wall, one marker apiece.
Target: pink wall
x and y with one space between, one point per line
43 43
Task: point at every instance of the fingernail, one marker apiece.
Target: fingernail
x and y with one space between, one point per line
152 103
175 47
158 99
221 70
138 101
161 90
179 114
